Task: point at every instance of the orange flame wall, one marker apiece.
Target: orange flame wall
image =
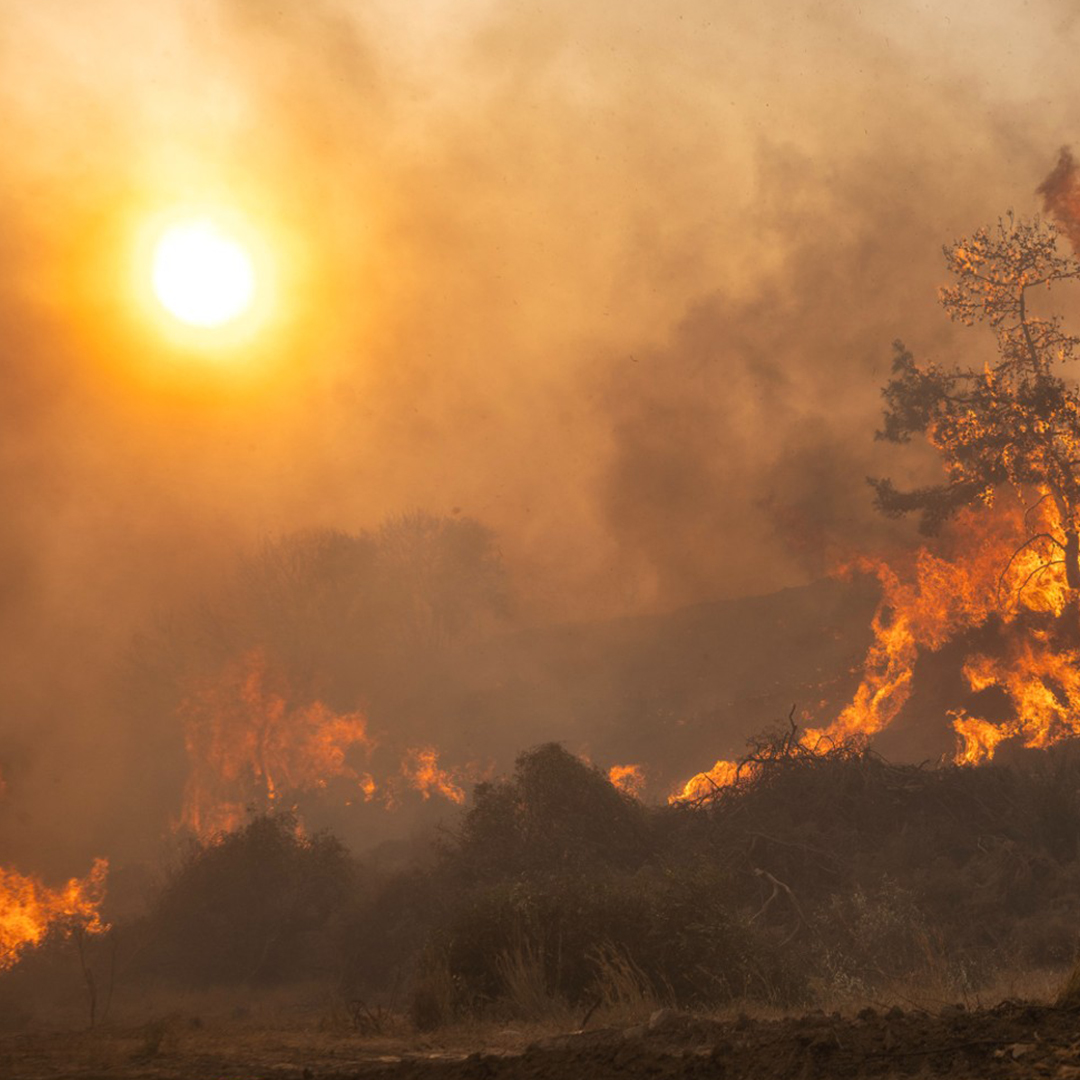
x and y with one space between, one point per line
249 747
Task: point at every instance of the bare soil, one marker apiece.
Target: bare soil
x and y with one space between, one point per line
1015 1039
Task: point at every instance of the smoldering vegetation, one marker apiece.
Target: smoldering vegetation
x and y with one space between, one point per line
828 878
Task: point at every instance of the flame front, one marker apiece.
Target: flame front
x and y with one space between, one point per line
251 748
1002 569
998 567
30 911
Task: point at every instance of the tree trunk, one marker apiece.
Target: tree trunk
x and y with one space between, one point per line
1072 559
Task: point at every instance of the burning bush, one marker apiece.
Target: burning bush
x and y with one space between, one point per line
318 664
30 911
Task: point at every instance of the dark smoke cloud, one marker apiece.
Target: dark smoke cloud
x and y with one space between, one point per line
741 447
618 280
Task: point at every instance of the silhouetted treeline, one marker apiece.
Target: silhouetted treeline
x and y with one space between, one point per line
815 872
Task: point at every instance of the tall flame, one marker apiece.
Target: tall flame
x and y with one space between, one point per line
998 563
30 911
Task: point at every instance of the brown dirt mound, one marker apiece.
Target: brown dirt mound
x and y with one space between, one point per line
1013 1040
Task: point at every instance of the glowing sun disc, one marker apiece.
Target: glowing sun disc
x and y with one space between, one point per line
201 275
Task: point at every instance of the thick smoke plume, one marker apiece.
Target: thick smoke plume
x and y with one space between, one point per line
616 280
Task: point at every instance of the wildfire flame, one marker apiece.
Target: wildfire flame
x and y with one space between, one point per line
997 565
30 911
703 784
1003 570
248 746
421 770
628 778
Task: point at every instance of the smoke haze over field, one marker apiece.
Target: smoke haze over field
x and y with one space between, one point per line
618 280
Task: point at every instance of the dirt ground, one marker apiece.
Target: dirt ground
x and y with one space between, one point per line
1014 1039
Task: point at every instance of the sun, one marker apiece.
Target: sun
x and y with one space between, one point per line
202 274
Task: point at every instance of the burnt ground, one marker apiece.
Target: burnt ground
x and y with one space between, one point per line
1015 1039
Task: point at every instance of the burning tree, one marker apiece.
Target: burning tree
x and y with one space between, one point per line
1009 428
1004 579
1013 423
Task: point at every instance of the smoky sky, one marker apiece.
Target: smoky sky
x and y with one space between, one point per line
620 280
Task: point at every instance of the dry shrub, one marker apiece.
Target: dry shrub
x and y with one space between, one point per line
786 882
624 993
867 940
676 930
554 815
433 1002
525 989
561 893
260 905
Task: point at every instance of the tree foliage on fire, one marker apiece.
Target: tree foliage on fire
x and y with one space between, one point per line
320 651
1013 422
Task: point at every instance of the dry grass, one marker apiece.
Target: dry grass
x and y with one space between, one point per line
622 995
433 1003
525 985
296 1026
1069 991
929 992
625 993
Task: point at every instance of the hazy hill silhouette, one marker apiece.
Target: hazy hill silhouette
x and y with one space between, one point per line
671 691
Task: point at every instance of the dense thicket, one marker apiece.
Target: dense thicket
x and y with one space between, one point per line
834 871
814 872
